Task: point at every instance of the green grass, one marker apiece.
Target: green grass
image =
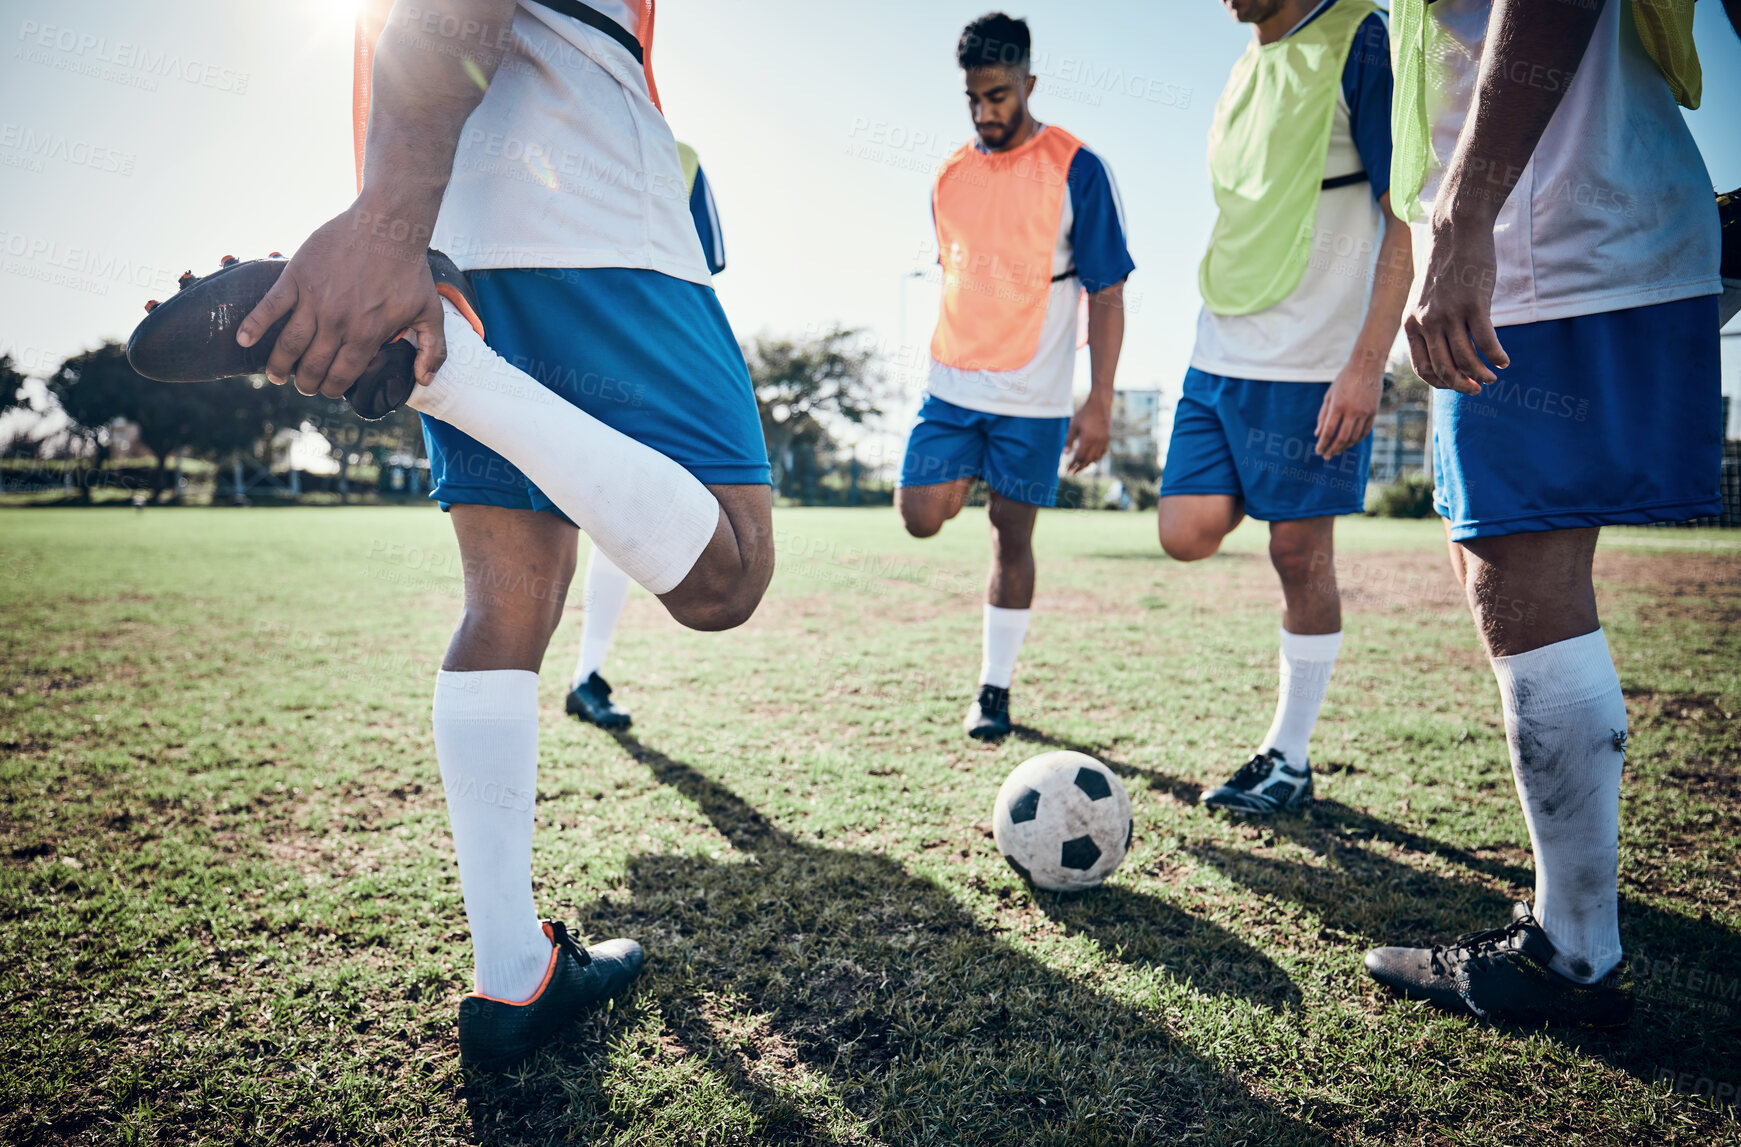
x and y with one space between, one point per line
229 911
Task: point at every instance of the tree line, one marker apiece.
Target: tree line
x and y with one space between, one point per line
805 388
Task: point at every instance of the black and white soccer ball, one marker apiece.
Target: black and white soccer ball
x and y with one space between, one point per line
1062 821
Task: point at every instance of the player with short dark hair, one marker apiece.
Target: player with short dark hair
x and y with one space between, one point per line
1028 221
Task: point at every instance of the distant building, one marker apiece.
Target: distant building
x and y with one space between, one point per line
1136 421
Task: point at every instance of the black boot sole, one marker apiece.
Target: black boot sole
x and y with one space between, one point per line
191 337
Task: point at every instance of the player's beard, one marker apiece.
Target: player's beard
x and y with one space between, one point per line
1256 12
1005 133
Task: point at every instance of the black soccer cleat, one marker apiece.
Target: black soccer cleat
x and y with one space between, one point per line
988 718
1263 785
191 337
495 1034
1502 975
591 702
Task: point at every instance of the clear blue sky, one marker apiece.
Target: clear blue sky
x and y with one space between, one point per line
181 130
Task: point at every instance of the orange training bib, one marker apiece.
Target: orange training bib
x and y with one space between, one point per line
997 217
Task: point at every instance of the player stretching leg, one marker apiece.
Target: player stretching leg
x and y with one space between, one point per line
607 586
1027 220
639 425
1292 340
1573 337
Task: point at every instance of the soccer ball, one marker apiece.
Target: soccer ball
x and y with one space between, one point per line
1062 821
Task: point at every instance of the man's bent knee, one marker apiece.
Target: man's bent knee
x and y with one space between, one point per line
725 607
1188 545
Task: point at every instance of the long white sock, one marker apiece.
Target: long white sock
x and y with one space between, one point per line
1307 661
651 515
1004 631
1565 722
607 588
486 739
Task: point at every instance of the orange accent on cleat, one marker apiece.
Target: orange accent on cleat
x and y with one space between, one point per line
452 294
227 260
186 280
149 304
275 255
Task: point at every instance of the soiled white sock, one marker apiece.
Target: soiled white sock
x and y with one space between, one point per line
1307 661
651 515
1004 631
1565 722
486 739
607 588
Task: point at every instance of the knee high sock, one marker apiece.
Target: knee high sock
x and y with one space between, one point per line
1004 631
1565 723
651 515
486 740
1307 661
607 588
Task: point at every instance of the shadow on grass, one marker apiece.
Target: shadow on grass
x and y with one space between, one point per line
913 1016
1686 969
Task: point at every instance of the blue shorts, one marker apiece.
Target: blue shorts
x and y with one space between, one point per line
1605 419
642 352
1017 457
1257 441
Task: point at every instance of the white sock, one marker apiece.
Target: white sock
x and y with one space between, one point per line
651 515
486 739
607 588
1307 661
1004 631
1565 721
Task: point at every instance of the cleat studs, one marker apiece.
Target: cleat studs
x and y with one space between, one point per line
150 305
227 260
275 255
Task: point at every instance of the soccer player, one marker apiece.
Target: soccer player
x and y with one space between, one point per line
1567 312
611 395
607 587
1027 219
1303 290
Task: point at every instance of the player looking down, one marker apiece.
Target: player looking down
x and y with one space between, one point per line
1303 290
607 586
1027 219
1573 337
526 139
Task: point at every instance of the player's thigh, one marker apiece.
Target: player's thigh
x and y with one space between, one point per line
518 565
1191 526
1531 589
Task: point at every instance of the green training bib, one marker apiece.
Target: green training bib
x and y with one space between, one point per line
1266 160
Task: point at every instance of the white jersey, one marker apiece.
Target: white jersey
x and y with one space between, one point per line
566 162
1615 208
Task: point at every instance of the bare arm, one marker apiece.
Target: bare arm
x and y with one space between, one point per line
1533 48
1091 429
363 277
1352 402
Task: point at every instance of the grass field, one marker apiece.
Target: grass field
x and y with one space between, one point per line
230 914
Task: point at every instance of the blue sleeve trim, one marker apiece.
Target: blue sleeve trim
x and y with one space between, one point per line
1097 236
1366 86
705 212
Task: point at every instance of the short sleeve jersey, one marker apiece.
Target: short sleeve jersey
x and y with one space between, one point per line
1308 336
1091 255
